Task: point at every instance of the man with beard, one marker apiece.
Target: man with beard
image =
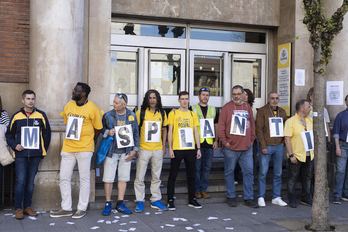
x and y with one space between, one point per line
236 130
83 119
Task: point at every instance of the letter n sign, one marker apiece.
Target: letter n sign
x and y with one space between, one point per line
73 128
30 138
308 140
276 127
238 125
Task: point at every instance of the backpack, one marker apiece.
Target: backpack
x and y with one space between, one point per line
142 116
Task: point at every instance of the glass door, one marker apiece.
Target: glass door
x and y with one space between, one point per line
249 71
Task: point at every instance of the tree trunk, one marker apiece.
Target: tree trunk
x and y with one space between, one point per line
320 208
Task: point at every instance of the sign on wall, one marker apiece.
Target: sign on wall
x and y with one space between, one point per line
284 63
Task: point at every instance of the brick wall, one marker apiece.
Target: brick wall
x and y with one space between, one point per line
14 40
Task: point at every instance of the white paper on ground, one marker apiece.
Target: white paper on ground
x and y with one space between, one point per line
147 213
122 230
125 215
188 228
40 212
212 218
32 218
117 217
100 221
122 224
132 229
95 227
158 213
162 227
197 224
229 228
52 224
8 214
70 223
180 219
170 225
114 221
200 230
254 213
133 222
13 215
227 219
125 200
108 222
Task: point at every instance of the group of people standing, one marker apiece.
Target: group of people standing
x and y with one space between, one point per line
192 134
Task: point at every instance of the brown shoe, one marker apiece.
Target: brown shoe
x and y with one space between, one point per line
198 195
19 214
29 211
205 195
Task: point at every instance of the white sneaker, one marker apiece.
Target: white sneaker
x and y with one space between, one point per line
279 201
261 202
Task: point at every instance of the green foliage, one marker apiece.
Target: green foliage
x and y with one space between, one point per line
296 37
321 29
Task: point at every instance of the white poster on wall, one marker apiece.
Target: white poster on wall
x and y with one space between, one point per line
334 93
300 75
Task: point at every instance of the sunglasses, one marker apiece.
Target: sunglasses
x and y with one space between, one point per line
204 89
123 96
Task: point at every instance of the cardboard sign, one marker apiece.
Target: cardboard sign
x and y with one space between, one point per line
308 140
124 136
238 125
30 137
152 131
186 138
276 127
73 128
207 128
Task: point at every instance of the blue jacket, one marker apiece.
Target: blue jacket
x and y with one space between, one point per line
107 127
340 127
19 120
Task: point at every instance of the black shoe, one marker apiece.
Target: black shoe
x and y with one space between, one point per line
337 200
193 203
231 202
306 202
171 205
251 203
293 204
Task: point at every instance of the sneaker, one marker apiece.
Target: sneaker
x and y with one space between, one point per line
140 207
29 211
344 198
79 214
306 202
231 202
107 209
235 182
158 205
205 195
193 203
198 195
337 200
278 201
19 214
251 203
261 202
123 209
61 213
293 204
171 205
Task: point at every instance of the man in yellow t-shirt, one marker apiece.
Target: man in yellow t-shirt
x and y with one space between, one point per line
83 119
297 137
152 120
182 137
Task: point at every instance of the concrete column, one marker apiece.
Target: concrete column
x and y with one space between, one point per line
56 52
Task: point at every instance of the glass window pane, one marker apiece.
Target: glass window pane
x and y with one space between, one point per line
208 72
124 72
165 73
247 73
148 30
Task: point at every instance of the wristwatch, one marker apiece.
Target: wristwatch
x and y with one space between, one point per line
292 155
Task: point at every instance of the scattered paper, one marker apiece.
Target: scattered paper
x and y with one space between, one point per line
70 223
52 224
100 221
170 225
133 222
162 227
122 224
125 215
8 214
212 218
7 209
13 215
122 230
40 212
117 217
147 213
158 213
227 219
114 211
114 221
240 195
132 229
229 228
254 213
197 224
188 228
95 227
180 219
32 218
200 230
108 222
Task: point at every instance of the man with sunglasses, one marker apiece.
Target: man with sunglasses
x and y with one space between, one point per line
208 120
123 126
299 145
83 119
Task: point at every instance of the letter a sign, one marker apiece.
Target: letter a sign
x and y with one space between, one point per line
207 128
186 138
308 140
238 125
152 131
276 127
30 137
73 128
124 136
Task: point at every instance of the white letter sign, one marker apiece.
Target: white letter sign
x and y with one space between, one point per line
276 127
124 136
30 137
238 125
207 128
152 131
73 128
186 138
308 140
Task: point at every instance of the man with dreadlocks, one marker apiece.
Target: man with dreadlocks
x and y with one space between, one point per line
152 121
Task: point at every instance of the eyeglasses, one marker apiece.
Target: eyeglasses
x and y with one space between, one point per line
204 89
123 96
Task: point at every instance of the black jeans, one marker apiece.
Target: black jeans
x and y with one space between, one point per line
189 156
306 172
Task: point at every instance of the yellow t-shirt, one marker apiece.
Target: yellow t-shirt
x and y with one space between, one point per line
293 129
92 119
180 120
150 116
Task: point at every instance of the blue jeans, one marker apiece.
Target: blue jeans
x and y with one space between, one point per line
203 166
341 167
276 153
245 160
26 169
